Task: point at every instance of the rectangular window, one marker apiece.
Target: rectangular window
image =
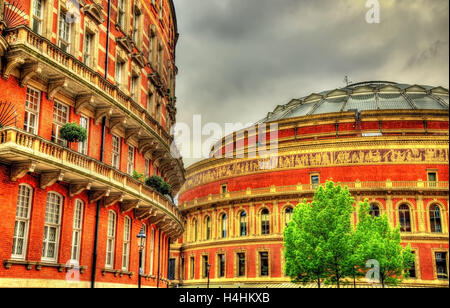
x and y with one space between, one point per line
221 265
412 270
51 227
192 267
119 70
77 228
130 163
223 189
135 87
432 179
121 14
116 152
205 267
441 265
37 18
241 264
83 146
32 106
171 275
126 244
64 32
60 117
110 240
264 263
136 18
152 250
147 168
315 180
20 239
88 42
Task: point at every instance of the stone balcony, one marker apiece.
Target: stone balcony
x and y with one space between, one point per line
25 152
30 55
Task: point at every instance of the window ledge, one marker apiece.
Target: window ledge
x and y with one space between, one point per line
39 265
116 273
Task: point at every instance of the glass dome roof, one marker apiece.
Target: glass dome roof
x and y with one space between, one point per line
370 95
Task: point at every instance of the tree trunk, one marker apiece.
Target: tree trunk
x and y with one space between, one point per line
318 282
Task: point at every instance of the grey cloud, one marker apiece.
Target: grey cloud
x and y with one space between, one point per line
238 59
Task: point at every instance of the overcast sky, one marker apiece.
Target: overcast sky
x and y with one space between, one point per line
239 59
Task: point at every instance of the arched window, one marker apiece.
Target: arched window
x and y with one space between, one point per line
288 215
224 225
110 240
20 239
435 219
208 228
243 223
374 210
265 222
51 227
77 228
404 218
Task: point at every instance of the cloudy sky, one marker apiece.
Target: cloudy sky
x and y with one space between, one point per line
238 59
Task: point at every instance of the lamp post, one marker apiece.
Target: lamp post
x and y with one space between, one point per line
208 267
141 236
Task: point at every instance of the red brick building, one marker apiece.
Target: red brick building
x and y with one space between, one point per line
387 142
108 66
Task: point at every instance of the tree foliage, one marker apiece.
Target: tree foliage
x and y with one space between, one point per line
72 132
159 185
321 244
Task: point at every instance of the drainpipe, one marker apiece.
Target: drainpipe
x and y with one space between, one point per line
108 29
97 216
102 156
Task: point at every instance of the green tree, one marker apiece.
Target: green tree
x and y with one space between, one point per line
72 132
318 238
379 241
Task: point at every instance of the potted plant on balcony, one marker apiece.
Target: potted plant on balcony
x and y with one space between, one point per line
72 132
159 185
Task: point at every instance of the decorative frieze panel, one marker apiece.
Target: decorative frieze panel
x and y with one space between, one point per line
320 159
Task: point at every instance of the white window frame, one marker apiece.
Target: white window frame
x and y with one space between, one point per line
126 243
147 168
52 223
83 146
130 159
144 242
111 239
115 157
24 204
29 112
64 32
87 48
152 251
77 230
119 71
59 124
39 19
121 14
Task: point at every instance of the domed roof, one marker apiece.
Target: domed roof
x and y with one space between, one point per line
370 95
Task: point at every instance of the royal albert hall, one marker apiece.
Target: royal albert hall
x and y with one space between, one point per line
79 214
388 142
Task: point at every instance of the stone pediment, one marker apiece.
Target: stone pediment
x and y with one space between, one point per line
95 11
139 58
126 43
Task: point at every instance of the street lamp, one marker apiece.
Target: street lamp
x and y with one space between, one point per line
208 267
141 236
